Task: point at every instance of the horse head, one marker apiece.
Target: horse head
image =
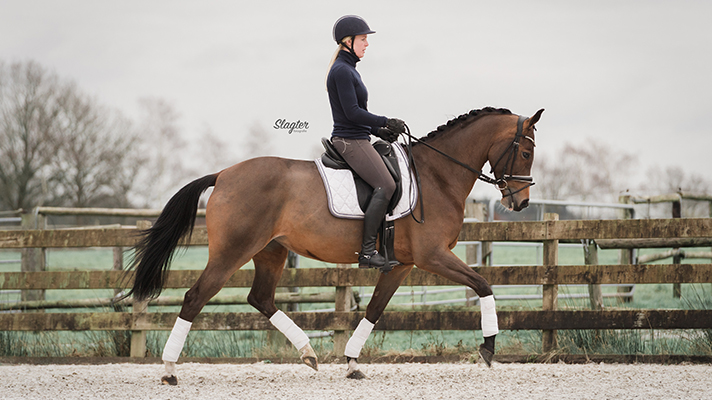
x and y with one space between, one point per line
511 156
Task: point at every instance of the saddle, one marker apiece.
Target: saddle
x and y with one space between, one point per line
332 159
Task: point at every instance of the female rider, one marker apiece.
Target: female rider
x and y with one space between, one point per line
353 125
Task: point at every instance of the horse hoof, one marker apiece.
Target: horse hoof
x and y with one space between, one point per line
312 362
356 375
169 380
308 355
486 355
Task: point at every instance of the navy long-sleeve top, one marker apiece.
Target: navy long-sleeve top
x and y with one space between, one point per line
348 97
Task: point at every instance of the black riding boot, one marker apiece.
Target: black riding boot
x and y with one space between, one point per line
369 257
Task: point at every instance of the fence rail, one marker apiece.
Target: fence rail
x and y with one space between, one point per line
330 277
526 231
550 275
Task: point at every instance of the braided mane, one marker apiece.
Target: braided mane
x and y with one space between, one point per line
463 119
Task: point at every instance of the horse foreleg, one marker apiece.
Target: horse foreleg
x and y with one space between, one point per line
448 265
382 293
269 265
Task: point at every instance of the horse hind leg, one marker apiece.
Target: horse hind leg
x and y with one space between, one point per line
269 265
211 280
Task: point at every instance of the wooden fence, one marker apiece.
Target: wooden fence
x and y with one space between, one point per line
675 200
550 275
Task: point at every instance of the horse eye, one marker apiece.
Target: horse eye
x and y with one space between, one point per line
526 155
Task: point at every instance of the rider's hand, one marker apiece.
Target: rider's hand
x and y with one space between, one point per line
395 125
387 135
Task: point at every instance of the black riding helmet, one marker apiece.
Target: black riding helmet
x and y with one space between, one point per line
350 25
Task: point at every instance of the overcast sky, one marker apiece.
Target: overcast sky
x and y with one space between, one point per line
635 75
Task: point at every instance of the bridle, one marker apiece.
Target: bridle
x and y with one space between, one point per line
501 183
511 153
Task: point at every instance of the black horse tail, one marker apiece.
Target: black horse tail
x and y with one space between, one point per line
154 252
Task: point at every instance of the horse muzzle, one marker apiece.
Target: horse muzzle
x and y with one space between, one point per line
513 204
515 197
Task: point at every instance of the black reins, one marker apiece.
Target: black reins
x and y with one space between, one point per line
500 183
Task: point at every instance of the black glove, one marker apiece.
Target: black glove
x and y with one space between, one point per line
395 125
387 135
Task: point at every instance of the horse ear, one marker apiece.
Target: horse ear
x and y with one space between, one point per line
535 118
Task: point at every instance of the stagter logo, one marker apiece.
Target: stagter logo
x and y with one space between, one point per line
297 126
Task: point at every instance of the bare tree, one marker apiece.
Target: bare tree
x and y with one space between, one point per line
94 146
589 172
162 152
59 146
673 179
29 105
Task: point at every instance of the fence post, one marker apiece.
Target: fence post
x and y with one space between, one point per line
676 258
550 292
594 290
118 263
342 303
292 262
33 259
473 210
121 339
138 338
487 247
625 256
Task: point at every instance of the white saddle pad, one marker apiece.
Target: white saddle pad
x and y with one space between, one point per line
341 190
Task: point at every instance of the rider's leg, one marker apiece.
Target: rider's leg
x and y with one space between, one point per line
368 164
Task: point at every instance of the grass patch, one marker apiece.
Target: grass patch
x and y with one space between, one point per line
64 344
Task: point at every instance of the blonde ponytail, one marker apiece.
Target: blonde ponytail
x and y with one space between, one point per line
333 59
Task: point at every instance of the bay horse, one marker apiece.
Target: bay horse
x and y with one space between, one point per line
263 207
